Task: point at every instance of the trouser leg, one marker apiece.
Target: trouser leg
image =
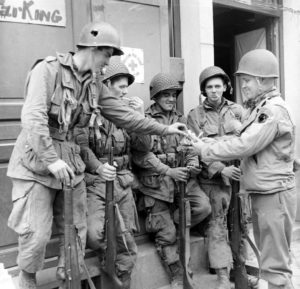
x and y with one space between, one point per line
273 218
31 218
199 202
219 251
160 223
127 248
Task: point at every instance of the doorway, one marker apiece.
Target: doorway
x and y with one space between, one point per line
238 31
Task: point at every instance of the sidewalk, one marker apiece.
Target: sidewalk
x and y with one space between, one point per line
295 253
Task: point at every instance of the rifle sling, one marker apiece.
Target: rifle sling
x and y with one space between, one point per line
256 252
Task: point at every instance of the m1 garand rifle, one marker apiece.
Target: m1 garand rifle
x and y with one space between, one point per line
109 279
239 234
72 272
236 236
184 229
72 246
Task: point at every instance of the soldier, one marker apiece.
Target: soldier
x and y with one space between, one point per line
217 117
266 146
158 172
117 78
61 98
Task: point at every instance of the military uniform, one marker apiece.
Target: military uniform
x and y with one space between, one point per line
266 144
58 104
127 222
154 155
214 123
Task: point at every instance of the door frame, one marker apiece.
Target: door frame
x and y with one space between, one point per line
274 29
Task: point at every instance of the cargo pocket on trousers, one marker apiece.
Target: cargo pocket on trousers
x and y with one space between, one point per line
19 219
152 181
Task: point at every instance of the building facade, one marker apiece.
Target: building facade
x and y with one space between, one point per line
182 36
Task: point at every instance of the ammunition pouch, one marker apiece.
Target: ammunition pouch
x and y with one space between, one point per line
153 180
56 134
169 159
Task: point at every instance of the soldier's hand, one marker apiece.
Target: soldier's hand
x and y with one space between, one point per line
194 171
197 147
177 128
137 104
178 174
106 172
232 172
62 172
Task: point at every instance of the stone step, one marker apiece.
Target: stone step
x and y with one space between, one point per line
149 272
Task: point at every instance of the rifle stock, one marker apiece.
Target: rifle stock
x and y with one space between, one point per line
240 273
109 279
73 280
184 231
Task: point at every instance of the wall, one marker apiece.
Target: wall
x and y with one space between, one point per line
198 50
291 49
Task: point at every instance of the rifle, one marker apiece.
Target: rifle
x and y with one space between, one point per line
73 280
236 234
109 279
184 230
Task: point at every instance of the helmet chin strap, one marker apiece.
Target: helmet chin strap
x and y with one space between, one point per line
92 59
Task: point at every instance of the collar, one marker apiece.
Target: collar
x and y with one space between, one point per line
155 110
66 60
262 98
208 106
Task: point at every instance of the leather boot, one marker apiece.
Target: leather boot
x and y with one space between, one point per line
27 280
223 279
176 275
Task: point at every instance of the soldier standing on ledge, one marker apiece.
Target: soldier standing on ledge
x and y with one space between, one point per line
214 118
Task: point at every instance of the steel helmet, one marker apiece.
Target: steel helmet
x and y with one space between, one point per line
260 63
117 68
163 81
99 34
211 72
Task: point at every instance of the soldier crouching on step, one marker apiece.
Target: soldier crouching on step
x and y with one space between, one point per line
158 172
61 97
100 139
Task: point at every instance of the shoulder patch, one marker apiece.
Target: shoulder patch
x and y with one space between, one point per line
264 114
50 58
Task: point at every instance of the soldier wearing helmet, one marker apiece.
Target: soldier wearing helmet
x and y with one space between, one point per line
100 139
266 146
214 118
62 100
158 170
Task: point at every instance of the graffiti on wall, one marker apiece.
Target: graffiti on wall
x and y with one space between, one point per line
43 12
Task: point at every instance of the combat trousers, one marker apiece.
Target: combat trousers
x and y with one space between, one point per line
126 257
31 218
273 216
160 219
219 251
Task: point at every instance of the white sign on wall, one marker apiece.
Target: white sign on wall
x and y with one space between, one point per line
43 12
133 58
